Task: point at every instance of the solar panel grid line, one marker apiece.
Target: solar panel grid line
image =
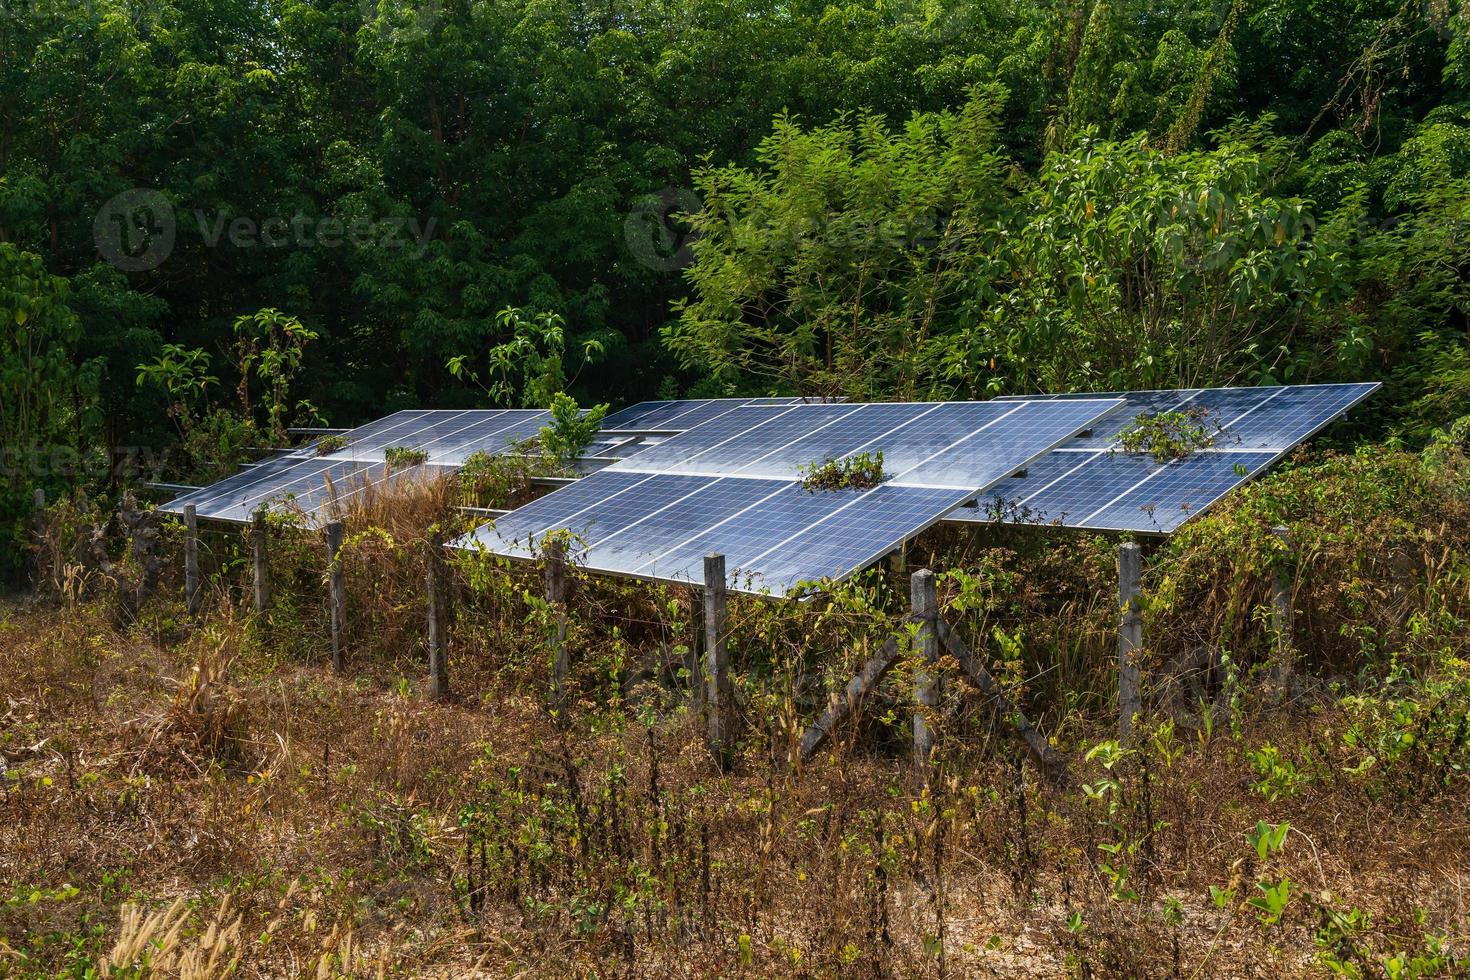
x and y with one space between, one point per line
1164 468
392 436
853 502
936 454
712 528
1254 408
373 429
1264 432
859 416
737 424
680 415
647 462
1053 482
261 474
1216 491
746 469
306 483
338 499
312 499
660 531
680 421
481 417
639 542
471 424
544 529
249 501
285 488
750 430
852 565
714 474
520 425
963 464
673 503
412 439
510 418
841 418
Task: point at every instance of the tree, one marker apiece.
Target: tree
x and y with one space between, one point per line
838 266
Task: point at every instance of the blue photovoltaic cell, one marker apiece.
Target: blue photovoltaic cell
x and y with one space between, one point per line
743 536
612 514
626 417
1104 489
305 479
384 428
1004 445
323 502
728 486
387 432
727 443
665 528
1274 417
662 416
1178 491
245 485
1295 415
684 414
1088 482
592 509
298 481
447 436
852 537
521 531
864 430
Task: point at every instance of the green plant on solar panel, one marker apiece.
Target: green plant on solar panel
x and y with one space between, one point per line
571 430
400 457
1168 436
860 471
327 445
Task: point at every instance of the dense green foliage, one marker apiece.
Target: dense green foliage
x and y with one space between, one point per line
954 197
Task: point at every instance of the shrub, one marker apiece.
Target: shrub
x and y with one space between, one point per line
402 457
327 445
571 430
1168 436
860 471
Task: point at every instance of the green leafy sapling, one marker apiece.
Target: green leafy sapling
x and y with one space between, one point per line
571 430
528 367
404 457
1168 436
860 471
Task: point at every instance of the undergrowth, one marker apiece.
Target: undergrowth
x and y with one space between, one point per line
183 796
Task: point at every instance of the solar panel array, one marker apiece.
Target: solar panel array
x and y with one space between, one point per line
319 486
1091 483
673 481
732 485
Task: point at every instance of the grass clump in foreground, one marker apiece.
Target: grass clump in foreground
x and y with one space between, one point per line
185 794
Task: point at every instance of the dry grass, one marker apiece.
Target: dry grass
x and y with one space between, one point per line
194 799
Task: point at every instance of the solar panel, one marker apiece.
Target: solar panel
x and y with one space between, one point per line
1090 483
732 485
317 487
683 413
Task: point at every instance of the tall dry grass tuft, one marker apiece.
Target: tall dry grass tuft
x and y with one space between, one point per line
383 563
153 945
204 722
